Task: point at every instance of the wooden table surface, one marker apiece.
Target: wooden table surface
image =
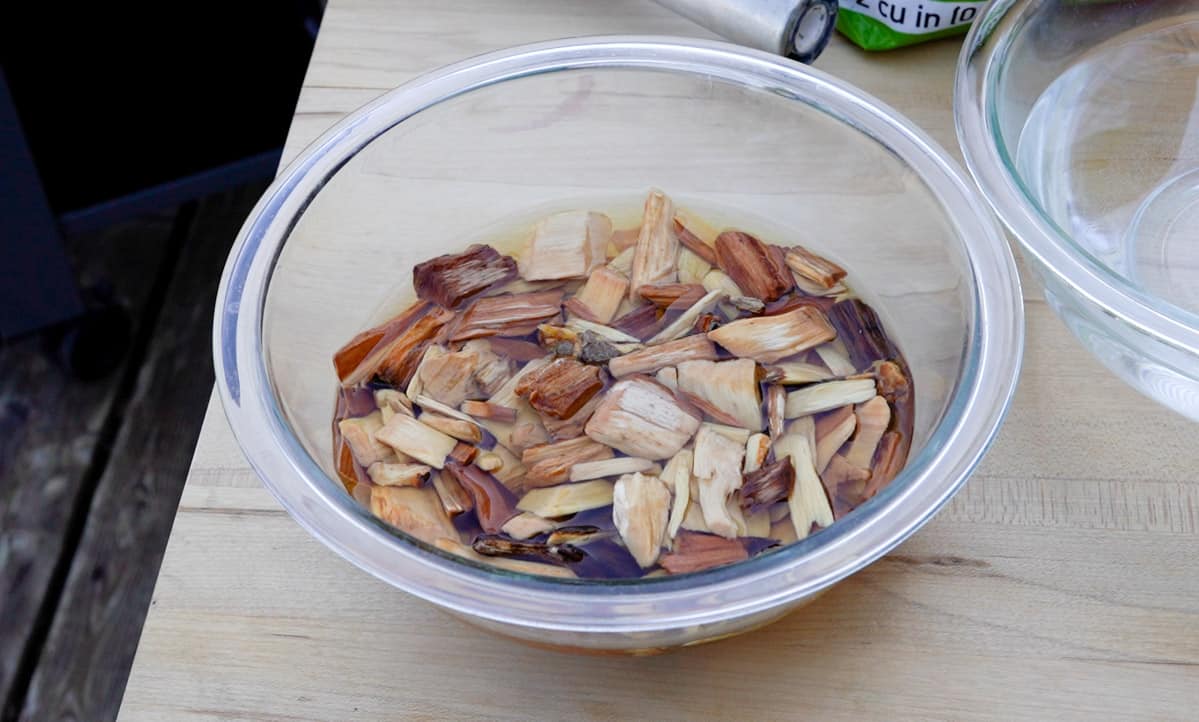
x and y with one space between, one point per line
1062 582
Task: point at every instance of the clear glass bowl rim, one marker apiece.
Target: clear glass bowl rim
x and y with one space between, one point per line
987 157
974 413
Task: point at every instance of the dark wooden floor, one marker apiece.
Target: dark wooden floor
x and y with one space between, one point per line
91 472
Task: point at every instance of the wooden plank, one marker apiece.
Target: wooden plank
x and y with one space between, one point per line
1057 585
51 425
82 669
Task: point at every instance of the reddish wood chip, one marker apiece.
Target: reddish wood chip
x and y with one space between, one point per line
754 267
452 279
561 387
694 552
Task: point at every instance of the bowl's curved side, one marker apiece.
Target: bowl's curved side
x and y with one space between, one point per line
1150 348
658 612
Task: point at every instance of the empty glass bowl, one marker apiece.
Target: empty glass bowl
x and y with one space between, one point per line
1080 122
431 166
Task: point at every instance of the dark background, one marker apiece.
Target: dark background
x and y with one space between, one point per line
134 140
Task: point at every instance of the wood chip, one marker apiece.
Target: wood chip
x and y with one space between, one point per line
561 387
682 325
692 267
776 402
888 462
526 526
359 434
845 485
640 417
772 338
671 353
665 295
730 386
528 422
796 373
391 474
489 461
572 427
508 315
394 401
608 333
391 351
834 357
828 395
832 431
564 499
604 468
549 464
668 377
757 448
493 503
694 243
515 349
717 468
566 245
677 476
874 416
640 323
421 442
655 256
485 410
807 502
640 512
521 566
416 511
451 280
767 485
602 294
817 269
860 329
622 263
753 266
454 498
696 552
467 431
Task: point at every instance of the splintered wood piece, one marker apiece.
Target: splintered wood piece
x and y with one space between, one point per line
730 386
874 416
488 461
695 552
640 512
817 269
450 280
391 474
665 295
564 499
888 462
641 417
692 267
753 266
486 410
454 498
717 469
677 476
776 401
526 526
359 434
467 431
656 254
493 503
508 315
835 358
771 338
398 347
640 323
415 511
795 373
622 262
682 325
767 485
565 245
604 468
607 333
419 441
448 377
757 449
571 427
668 377
694 243
671 353
561 387
550 464
392 401
895 385
828 395
860 330
807 502
516 349
794 300
845 484
601 295
832 431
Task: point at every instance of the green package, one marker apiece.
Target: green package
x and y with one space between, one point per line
888 24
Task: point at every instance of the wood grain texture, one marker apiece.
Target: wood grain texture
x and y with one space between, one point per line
50 425
1061 583
84 664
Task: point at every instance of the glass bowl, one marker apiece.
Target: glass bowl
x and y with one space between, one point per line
430 166
1079 122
